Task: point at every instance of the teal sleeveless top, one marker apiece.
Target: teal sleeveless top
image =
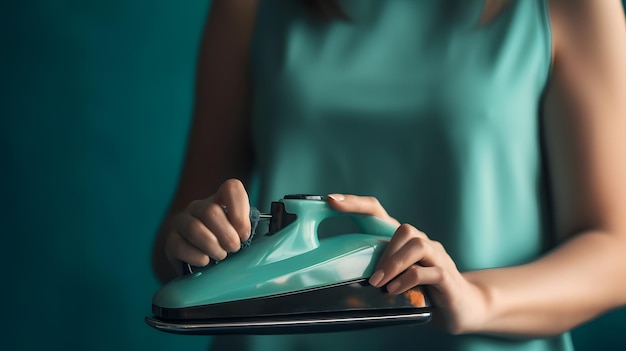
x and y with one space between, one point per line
418 104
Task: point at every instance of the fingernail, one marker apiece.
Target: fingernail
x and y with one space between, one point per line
336 197
393 287
376 278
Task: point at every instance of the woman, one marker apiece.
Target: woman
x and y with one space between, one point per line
495 127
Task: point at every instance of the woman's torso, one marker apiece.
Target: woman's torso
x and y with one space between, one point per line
416 103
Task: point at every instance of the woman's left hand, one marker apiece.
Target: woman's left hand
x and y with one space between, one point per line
412 258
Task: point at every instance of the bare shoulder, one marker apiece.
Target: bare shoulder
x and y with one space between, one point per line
235 11
589 44
579 24
232 19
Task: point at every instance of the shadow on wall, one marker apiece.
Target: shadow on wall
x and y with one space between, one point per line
96 100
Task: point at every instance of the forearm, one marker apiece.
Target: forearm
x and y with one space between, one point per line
574 283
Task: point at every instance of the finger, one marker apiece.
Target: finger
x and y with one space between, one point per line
217 225
180 250
233 197
414 252
401 237
198 235
417 275
409 246
356 204
368 205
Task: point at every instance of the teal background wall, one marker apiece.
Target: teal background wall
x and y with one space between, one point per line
95 100
95 105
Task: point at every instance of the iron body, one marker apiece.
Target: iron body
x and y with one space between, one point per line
291 281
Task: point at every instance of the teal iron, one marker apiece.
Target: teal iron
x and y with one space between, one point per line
291 281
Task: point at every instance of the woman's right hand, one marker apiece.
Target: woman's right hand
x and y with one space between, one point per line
210 228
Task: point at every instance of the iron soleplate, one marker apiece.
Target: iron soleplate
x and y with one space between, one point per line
340 307
331 322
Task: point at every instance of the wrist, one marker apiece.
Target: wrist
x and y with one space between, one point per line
480 309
